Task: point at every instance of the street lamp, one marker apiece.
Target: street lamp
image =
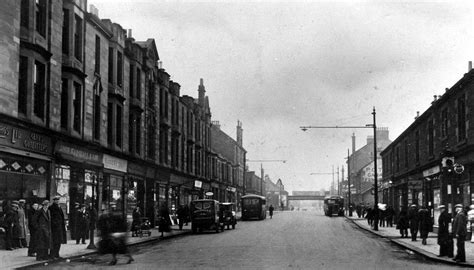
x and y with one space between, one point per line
374 127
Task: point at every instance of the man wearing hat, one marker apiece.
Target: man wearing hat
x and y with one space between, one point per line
42 221
413 218
22 221
460 232
445 241
58 228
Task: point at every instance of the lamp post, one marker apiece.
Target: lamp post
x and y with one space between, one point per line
374 127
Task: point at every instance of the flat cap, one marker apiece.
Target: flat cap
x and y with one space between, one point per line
458 206
45 202
22 201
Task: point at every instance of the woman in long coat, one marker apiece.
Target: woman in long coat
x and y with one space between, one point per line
425 223
402 223
445 241
43 232
164 225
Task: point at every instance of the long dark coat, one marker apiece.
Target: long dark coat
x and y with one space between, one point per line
403 223
459 224
112 223
58 225
13 217
413 217
32 227
92 217
43 229
443 228
424 222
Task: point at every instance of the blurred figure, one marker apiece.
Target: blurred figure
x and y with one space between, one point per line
164 225
32 227
113 232
181 216
403 223
82 225
22 222
270 210
389 216
136 215
16 227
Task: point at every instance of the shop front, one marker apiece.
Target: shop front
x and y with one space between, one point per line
114 189
76 179
136 195
25 165
432 190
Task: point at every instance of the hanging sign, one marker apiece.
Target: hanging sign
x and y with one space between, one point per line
458 168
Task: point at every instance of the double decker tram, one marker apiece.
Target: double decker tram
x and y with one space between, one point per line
254 206
334 205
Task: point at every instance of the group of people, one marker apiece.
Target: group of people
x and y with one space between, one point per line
419 220
46 225
384 216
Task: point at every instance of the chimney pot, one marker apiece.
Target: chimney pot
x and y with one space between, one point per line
469 66
129 34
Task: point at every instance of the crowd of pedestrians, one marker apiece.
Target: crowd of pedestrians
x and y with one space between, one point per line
419 221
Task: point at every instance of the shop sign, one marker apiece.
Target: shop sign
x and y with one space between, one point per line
75 153
415 184
197 184
24 139
136 169
431 171
114 163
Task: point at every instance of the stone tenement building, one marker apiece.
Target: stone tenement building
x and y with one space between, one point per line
89 114
431 162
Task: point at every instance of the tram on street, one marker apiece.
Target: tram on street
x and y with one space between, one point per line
334 205
254 206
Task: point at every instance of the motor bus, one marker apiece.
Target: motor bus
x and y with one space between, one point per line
334 205
254 206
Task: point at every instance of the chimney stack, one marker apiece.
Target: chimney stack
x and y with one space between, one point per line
239 133
93 10
469 68
353 143
417 114
129 34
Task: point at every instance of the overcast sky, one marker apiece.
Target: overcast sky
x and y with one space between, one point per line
276 66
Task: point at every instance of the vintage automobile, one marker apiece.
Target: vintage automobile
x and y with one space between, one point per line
204 215
227 215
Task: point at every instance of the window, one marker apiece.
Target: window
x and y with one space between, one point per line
461 119
151 141
25 13
40 12
110 117
119 69
444 123
97 110
97 54
23 85
398 158
137 134
132 81
406 153
151 94
417 146
139 84
64 104
118 127
111 65
78 38
77 107
431 137
65 41
39 94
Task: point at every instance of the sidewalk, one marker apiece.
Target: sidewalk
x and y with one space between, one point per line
18 258
430 250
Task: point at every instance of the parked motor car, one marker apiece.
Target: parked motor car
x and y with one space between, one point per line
227 215
204 215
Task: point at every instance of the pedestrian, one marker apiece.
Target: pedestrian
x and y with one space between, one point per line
113 232
136 215
270 210
42 221
382 213
23 223
370 216
9 219
359 210
470 220
186 211
413 219
72 220
82 225
444 238
164 224
58 228
181 216
16 229
389 216
403 223
460 232
32 227
92 213
425 225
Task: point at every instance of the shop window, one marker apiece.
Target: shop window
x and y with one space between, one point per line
119 69
97 54
111 65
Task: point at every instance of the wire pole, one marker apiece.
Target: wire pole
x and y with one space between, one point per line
376 192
